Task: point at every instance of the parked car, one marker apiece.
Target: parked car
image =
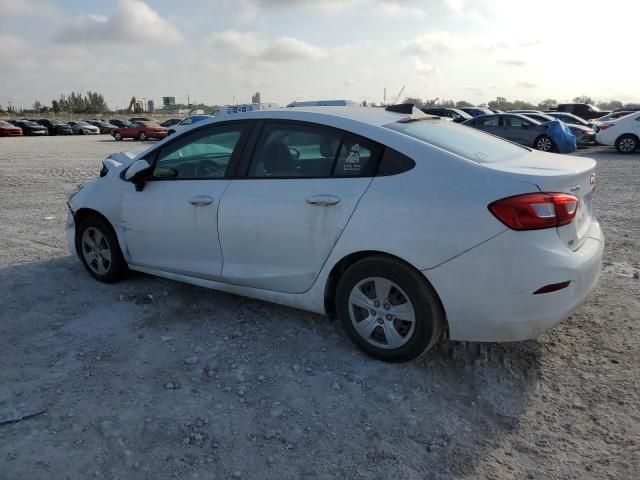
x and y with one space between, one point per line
140 131
103 126
170 122
9 130
83 128
583 110
187 122
120 123
584 135
55 127
293 199
455 114
31 128
569 118
475 111
623 133
516 128
595 123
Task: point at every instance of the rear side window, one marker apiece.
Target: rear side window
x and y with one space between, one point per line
489 122
291 150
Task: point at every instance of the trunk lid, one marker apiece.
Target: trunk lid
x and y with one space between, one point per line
559 173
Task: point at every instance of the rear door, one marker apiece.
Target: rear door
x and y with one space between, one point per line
519 130
279 223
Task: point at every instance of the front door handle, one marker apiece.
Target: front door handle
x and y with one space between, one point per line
323 200
201 200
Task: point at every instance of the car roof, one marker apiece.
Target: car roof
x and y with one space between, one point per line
370 115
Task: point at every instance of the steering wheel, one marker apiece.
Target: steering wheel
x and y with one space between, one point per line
295 152
208 168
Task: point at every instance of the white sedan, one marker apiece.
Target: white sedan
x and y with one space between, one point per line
623 133
406 227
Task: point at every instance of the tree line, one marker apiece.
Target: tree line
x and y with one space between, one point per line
501 103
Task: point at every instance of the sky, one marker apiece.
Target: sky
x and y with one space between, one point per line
220 50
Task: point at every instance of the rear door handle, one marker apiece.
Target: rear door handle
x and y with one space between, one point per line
201 200
323 200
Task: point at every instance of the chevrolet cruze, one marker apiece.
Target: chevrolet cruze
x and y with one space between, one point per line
407 227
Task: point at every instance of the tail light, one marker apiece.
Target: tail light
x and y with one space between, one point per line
534 211
604 126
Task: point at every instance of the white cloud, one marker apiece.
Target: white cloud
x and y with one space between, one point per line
512 63
436 42
254 46
131 21
396 9
424 68
26 8
526 84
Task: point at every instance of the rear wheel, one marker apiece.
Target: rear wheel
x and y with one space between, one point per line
388 309
543 143
99 251
627 143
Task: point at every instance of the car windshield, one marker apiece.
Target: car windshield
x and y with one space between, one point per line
149 124
30 123
56 122
461 140
83 124
5 124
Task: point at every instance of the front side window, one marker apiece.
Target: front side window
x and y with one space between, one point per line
204 154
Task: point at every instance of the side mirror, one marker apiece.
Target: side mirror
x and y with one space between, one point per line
135 169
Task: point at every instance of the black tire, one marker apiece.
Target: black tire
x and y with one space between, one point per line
117 267
429 314
117 136
142 137
627 143
544 140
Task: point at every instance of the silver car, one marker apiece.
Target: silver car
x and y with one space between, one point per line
83 128
515 127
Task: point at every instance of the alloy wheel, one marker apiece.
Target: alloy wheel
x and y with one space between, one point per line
544 144
96 251
382 313
627 145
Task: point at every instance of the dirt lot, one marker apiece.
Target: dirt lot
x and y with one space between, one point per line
119 368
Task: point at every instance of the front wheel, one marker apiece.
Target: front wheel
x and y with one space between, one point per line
627 143
117 136
99 251
142 137
388 309
543 143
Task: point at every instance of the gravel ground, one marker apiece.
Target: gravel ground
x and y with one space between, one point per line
153 379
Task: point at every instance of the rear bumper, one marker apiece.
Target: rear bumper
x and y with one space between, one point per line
487 293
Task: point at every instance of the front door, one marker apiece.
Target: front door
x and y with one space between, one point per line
171 225
280 223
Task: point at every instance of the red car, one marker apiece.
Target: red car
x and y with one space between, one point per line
140 131
8 130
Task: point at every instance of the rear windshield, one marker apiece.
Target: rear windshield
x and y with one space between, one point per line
149 124
465 141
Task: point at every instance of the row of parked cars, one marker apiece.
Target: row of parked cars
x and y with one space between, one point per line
620 128
140 128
